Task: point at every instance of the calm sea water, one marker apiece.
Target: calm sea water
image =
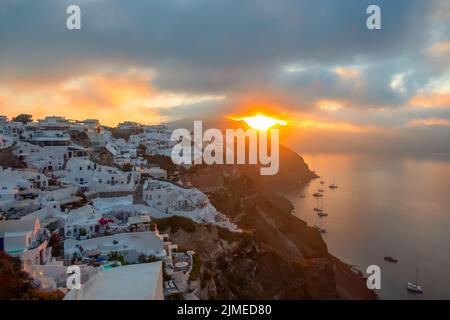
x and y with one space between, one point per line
397 206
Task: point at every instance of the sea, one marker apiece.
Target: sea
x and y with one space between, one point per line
385 205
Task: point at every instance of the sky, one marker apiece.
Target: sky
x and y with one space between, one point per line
313 63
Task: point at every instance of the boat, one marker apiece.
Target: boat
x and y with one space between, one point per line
390 259
318 193
333 186
321 190
321 182
321 230
319 208
414 287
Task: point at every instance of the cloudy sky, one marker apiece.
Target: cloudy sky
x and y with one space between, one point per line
313 63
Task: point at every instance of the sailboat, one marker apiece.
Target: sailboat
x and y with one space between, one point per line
320 228
318 193
414 287
333 185
322 214
320 211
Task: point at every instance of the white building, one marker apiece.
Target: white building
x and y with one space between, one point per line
98 178
19 184
48 158
155 172
131 245
174 199
5 141
129 125
83 223
25 239
134 282
163 196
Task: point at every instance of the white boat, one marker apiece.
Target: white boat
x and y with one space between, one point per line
414 287
333 186
322 214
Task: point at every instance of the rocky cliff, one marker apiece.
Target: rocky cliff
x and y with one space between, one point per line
277 256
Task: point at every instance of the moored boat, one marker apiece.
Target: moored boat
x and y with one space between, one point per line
390 259
414 287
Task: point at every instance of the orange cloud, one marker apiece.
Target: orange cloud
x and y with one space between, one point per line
346 73
329 105
431 100
439 49
429 122
111 97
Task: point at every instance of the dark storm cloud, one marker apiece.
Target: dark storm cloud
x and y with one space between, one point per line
228 47
202 36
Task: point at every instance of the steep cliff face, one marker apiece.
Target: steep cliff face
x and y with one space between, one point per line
278 255
238 266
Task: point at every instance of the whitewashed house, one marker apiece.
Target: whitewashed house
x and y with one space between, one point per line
129 125
174 199
48 158
98 178
83 223
134 282
130 245
18 184
162 196
155 172
25 239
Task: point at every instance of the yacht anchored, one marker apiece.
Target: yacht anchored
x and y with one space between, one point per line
414 287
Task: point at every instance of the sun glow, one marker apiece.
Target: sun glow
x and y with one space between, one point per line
261 122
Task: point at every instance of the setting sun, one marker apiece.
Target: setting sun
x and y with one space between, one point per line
261 122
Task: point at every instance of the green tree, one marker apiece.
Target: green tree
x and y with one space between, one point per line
116 256
24 118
